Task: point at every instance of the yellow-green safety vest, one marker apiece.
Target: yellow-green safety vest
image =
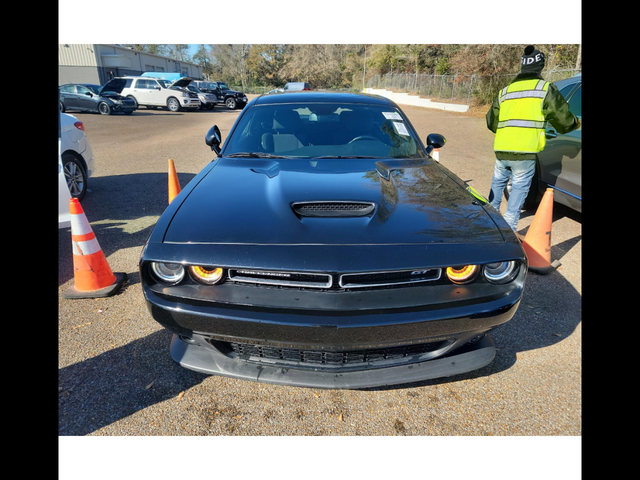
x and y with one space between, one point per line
521 122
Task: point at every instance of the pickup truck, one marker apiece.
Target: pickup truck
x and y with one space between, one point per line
224 94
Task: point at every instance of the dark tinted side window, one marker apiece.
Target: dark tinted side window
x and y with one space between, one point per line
575 103
566 91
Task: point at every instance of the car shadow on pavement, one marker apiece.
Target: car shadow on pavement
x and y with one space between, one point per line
549 312
118 383
122 211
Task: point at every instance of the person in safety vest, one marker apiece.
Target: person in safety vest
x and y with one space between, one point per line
518 117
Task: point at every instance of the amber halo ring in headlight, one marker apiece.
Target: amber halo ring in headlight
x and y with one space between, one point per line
168 272
206 275
500 272
463 273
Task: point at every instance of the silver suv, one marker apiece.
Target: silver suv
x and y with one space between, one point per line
155 92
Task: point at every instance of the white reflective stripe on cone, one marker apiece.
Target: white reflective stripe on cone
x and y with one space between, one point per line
80 225
86 247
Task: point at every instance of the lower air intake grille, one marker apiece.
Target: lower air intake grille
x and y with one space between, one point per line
318 357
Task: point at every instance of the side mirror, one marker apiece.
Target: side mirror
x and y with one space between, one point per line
214 139
435 140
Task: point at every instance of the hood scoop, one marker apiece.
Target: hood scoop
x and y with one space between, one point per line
333 208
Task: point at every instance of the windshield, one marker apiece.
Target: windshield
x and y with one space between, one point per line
94 88
164 83
323 131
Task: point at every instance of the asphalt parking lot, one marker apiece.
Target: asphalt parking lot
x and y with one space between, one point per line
115 376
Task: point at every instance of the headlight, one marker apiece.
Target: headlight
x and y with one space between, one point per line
462 274
168 272
500 272
206 275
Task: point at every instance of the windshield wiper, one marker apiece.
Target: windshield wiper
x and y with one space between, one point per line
254 155
349 156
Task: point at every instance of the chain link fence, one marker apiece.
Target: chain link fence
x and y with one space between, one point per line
466 89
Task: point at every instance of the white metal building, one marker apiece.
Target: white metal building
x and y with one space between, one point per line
90 63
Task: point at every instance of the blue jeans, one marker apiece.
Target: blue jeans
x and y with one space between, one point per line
521 172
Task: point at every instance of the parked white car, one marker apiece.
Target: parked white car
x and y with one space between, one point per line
155 92
64 219
76 155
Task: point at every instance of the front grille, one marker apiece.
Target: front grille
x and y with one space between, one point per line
249 351
333 209
380 279
345 281
281 279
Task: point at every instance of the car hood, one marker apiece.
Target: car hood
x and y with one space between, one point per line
111 94
249 201
182 82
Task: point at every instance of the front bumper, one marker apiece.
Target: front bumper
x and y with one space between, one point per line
331 334
328 339
189 103
124 107
196 354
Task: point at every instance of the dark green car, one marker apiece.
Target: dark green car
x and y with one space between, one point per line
560 163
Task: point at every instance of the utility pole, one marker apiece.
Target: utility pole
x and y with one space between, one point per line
364 72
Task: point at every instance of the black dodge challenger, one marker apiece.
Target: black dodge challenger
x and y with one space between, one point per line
324 247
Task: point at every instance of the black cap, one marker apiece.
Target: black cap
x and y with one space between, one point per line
532 60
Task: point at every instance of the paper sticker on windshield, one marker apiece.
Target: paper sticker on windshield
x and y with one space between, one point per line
401 129
392 115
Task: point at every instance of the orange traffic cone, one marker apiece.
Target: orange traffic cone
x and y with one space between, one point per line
537 242
174 185
92 275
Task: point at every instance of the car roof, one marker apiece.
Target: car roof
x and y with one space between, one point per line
323 97
138 76
181 79
568 81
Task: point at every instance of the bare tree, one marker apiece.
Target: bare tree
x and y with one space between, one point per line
266 62
179 51
232 61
